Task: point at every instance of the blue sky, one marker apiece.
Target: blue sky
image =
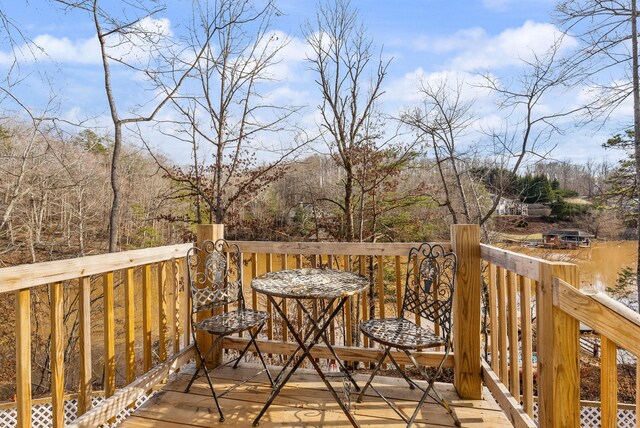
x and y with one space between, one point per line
427 39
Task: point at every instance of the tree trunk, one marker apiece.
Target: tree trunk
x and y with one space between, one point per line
636 124
348 206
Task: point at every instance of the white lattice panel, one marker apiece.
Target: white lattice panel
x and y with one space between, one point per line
41 414
590 417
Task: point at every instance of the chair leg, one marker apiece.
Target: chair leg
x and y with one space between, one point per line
255 344
203 366
412 384
439 398
373 374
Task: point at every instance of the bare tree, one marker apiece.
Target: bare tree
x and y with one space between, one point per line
605 28
445 120
349 75
124 30
227 117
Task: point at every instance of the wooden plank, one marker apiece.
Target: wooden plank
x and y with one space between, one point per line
509 404
186 311
348 308
465 241
129 328
399 285
174 306
33 275
493 318
502 327
637 406
600 312
527 345
380 281
254 274
84 341
109 408
365 297
283 266
23 357
57 354
109 335
269 268
300 315
345 353
608 383
316 248
146 319
514 354
161 277
526 266
558 351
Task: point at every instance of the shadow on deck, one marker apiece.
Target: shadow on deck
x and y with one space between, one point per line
304 402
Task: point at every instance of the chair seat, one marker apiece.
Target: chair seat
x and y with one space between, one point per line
401 333
232 322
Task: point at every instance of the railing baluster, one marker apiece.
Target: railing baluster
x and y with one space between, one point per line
300 319
129 320
23 358
269 268
609 382
493 319
348 333
283 266
254 273
57 353
502 327
380 280
514 373
109 336
162 311
186 306
365 299
527 353
146 318
84 316
174 305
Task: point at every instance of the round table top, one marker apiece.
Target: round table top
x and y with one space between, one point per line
310 283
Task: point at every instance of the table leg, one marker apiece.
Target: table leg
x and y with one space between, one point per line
307 354
343 368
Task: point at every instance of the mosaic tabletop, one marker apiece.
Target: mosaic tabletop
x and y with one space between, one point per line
310 283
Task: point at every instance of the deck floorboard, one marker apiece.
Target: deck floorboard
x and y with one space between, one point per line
304 402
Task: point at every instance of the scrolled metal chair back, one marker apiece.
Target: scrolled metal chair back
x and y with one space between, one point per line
215 275
429 286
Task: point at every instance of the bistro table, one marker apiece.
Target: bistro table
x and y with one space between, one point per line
303 285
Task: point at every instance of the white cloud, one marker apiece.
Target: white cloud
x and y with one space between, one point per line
473 49
63 50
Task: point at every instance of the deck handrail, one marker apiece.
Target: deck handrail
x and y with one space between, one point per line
517 284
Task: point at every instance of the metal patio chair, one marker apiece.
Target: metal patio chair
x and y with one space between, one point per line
428 293
215 280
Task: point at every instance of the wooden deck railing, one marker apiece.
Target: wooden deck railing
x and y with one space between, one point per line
93 278
534 304
533 309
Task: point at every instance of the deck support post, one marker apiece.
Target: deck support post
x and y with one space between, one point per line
465 242
558 345
211 232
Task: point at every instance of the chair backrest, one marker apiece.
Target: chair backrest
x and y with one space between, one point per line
431 274
215 275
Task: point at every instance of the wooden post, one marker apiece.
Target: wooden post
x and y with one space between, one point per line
129 331
23 358
465 242
558 353
109 336
211 232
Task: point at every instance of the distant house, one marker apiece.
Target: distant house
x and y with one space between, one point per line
566 238
511 207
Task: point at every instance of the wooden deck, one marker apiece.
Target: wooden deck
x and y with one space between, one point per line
304 402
